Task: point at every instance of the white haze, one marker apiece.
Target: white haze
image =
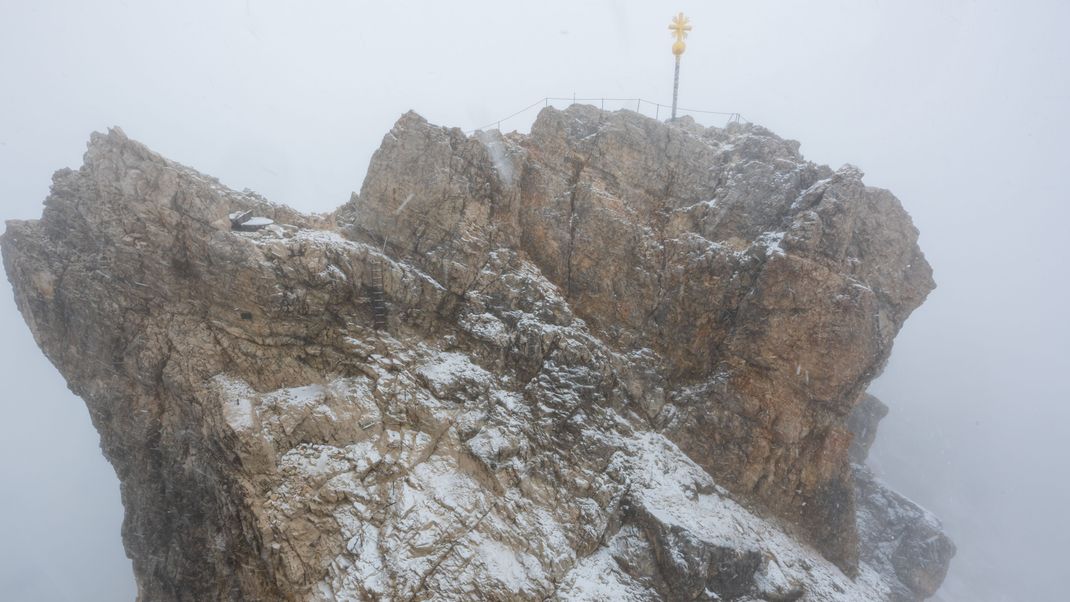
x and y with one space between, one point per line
961 108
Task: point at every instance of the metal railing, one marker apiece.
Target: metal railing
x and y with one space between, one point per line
642 106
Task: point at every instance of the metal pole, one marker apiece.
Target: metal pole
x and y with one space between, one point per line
675 87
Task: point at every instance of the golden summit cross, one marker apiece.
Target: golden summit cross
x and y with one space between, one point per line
679 27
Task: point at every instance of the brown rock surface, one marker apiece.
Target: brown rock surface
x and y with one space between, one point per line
612 346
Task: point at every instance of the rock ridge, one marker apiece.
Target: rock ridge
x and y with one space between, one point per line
623 359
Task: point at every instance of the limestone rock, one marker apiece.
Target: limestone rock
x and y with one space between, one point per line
618 362
863 423
898 536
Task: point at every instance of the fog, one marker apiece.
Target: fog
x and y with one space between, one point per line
960 108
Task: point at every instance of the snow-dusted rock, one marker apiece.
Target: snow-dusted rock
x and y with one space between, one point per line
619 361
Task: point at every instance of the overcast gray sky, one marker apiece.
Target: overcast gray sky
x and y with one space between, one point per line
960 108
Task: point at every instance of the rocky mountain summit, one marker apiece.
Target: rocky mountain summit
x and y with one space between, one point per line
613 359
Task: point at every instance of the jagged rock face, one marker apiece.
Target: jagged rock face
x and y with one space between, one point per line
762 292
619 364
901 538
